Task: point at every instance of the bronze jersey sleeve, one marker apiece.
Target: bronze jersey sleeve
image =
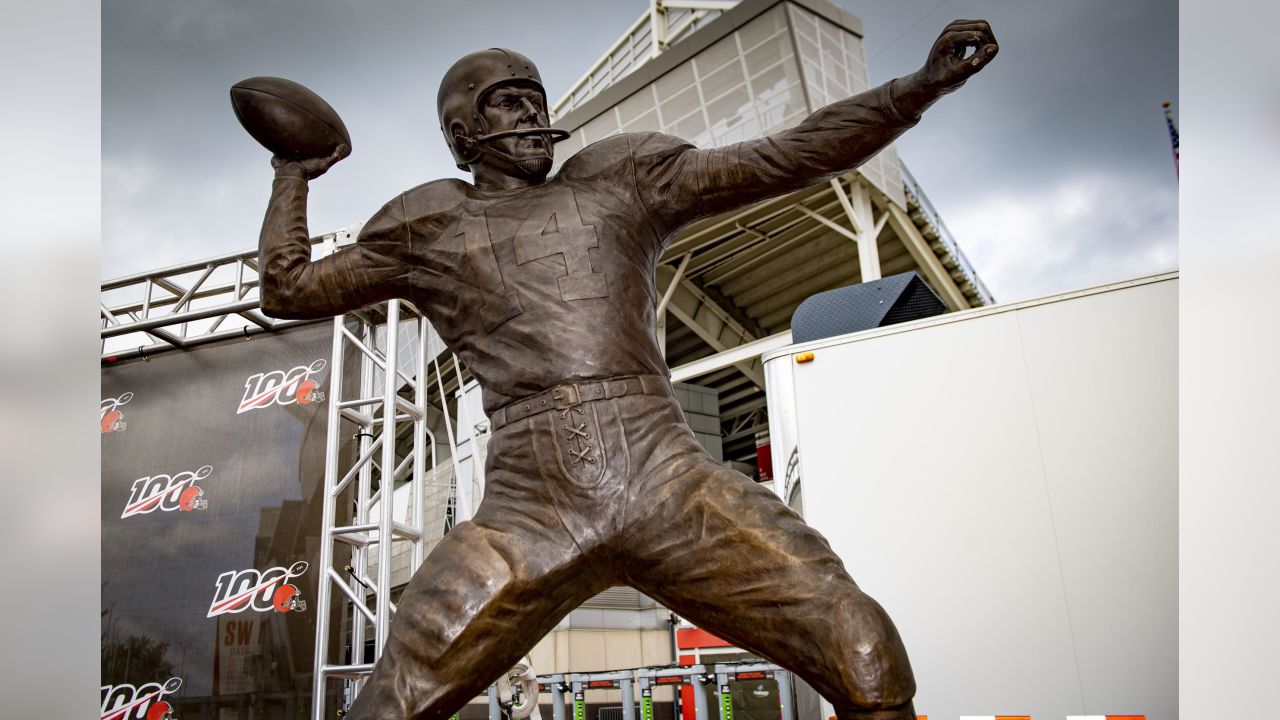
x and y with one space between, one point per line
678 183
294 286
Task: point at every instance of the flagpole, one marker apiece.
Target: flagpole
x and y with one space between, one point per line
1173 137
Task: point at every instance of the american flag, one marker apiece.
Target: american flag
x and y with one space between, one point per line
1173 136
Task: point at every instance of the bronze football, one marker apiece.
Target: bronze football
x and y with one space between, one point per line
287 118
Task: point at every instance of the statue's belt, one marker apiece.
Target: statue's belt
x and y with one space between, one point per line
563 397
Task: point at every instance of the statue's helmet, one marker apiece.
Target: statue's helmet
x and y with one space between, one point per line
465 85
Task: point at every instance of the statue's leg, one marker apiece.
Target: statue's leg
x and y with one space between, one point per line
728 555
491 589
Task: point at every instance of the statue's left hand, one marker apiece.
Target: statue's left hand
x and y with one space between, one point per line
947 67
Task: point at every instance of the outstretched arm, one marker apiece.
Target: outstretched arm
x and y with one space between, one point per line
679 183
946 68
292 285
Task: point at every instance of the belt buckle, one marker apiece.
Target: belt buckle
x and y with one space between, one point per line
566 396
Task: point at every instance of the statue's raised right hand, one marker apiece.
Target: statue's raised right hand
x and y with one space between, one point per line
309 168
947 67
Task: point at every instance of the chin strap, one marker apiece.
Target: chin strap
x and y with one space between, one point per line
480 143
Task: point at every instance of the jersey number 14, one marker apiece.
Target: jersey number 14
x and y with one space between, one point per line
548 231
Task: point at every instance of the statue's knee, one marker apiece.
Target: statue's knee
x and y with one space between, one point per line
878 677
877 673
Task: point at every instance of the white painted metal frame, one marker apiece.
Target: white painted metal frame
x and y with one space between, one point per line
692 306
373 527
747 352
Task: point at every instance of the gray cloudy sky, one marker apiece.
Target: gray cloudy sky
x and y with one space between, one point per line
1052 168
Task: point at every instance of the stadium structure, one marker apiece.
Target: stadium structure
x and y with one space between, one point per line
251 558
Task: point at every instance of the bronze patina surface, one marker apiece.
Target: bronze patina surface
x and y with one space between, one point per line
545 288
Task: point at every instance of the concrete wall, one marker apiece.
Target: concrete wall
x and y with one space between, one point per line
600 650
701 407
1004 482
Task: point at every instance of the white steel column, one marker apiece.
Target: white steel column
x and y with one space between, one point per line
857 207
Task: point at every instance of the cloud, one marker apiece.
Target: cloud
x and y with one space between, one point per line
172 22
153 219
1082 230
127 179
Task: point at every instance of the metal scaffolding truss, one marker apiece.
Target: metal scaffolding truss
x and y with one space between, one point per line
190 304
388 500
390 495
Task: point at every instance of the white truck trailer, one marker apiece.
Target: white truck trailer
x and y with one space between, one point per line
1004 481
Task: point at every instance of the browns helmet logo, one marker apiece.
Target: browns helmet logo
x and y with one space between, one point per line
110 419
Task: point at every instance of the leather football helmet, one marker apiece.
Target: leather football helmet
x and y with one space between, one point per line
458 102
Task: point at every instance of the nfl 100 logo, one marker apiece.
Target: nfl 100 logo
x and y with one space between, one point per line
167 493
258 590
283 387
144 702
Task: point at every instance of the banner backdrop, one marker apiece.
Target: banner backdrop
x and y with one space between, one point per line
212 469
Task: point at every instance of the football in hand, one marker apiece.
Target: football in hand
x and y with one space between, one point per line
287 118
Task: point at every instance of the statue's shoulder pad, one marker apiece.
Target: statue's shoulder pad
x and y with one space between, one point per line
434 197
430 202
601 155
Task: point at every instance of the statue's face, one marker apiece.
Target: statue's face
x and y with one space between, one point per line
514 107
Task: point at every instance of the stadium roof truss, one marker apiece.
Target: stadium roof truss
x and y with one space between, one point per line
731 283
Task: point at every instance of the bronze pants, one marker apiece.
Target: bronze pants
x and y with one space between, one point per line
618 492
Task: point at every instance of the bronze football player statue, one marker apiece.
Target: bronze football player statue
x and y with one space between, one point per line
544 286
